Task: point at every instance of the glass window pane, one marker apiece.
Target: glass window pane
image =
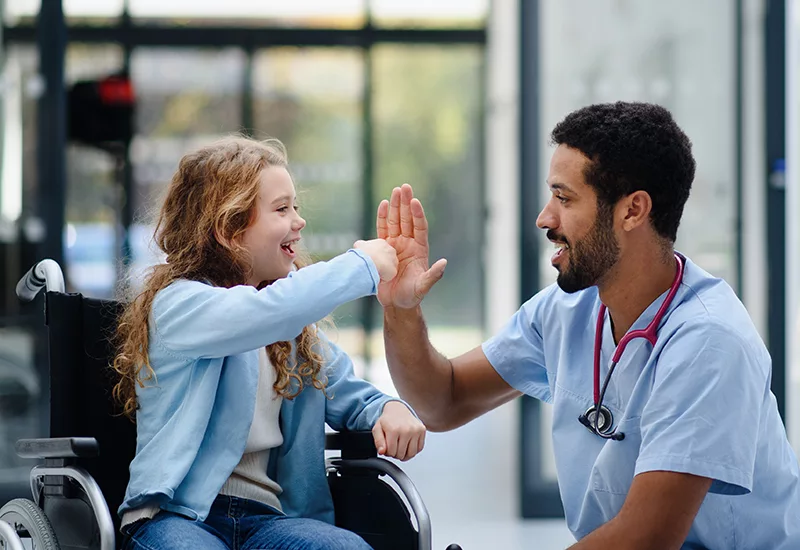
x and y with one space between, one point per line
186 98
16 10
22 73
93 194
792 183
679 55
91 61
21 397
311 100
307 13
424 13
428 132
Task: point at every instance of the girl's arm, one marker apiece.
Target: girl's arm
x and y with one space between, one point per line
193 319
356 405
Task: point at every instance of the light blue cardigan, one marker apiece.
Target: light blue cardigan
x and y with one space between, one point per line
195 416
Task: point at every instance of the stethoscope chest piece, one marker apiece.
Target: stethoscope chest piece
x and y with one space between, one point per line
604 422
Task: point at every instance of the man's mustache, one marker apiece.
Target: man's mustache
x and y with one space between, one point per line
553 236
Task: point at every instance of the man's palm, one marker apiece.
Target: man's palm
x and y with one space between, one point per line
412 263
401 221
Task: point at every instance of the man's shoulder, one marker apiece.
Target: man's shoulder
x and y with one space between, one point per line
710 304
696 329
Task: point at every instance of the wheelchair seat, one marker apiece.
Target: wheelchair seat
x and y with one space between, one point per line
85 472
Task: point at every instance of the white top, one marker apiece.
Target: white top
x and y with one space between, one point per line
249 479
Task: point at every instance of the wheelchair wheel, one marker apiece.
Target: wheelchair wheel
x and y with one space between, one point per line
30 522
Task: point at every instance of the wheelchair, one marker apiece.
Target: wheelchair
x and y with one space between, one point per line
75 490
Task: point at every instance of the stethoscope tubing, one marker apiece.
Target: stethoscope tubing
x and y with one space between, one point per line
650 333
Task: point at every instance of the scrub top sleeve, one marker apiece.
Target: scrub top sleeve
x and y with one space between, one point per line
704 411
517 352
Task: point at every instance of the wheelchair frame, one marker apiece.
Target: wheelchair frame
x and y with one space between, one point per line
356 454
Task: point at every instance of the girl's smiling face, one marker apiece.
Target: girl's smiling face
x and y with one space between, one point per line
273 235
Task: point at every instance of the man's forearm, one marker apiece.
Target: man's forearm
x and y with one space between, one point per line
422 376
616 534
657 514
610 535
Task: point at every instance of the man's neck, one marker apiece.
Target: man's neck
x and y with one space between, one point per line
635 283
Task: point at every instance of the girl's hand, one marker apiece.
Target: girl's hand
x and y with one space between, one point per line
383 255
398 433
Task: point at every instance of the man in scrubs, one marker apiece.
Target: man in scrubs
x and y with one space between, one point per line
700 458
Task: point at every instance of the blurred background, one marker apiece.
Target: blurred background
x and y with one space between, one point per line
100 98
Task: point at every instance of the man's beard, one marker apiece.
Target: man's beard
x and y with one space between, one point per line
591 257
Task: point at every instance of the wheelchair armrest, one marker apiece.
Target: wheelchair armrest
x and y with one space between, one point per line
58 447
353 445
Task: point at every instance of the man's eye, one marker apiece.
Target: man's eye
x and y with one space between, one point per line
561 199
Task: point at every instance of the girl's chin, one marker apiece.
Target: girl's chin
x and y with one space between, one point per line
273 277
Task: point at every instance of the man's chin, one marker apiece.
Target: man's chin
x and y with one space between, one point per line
569 284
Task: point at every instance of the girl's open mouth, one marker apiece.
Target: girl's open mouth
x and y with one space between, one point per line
289 248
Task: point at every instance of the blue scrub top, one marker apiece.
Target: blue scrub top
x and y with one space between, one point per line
697 402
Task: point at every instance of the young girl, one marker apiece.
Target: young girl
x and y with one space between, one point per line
229 379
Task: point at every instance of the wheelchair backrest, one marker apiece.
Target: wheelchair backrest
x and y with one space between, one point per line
80 333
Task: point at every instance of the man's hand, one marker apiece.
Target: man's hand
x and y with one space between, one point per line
401 221
398 433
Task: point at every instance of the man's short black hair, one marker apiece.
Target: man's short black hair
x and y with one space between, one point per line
632 147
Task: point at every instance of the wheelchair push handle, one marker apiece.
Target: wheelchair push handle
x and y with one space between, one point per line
45 274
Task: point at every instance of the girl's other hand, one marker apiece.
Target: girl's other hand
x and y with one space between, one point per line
398 433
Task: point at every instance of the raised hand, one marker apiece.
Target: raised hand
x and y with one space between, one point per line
401 222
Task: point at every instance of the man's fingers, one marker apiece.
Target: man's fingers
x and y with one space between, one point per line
381 222
406 222
431 277
380 438
393 219
420 222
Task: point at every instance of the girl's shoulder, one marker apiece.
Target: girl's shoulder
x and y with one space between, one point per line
186 287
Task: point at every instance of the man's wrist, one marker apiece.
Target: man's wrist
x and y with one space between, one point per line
394 313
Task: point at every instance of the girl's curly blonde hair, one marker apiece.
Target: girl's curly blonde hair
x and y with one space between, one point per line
210 202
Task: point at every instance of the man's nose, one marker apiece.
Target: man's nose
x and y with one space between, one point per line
546 218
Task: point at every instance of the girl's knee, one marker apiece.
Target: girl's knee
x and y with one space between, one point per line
168 531
347 540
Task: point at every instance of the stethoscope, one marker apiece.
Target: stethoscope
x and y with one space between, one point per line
601 424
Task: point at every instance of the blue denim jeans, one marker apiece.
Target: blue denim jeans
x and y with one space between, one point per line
238 524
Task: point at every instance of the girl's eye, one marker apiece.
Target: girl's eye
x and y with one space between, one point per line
283 209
